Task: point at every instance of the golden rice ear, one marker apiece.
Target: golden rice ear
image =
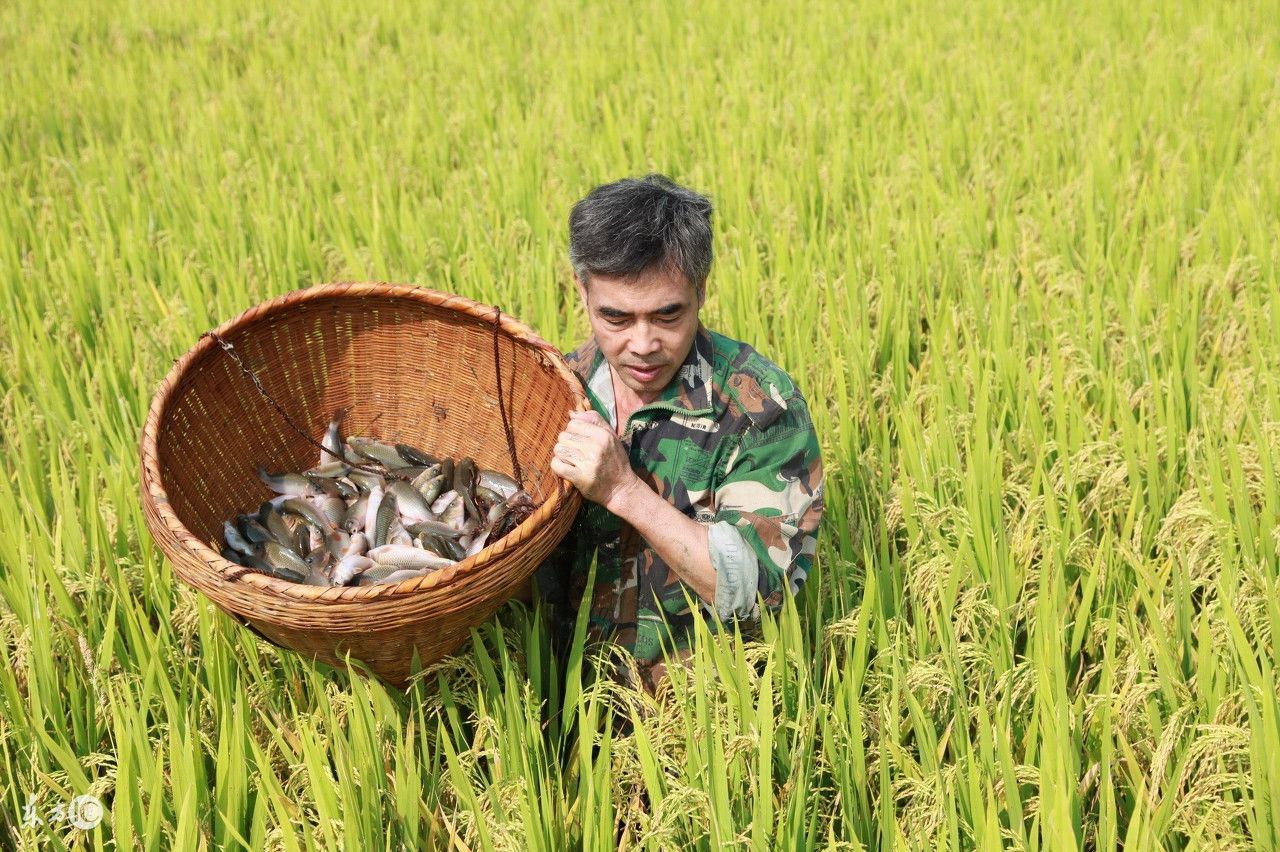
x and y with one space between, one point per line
410 364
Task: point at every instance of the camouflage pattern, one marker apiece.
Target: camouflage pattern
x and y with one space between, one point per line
730 439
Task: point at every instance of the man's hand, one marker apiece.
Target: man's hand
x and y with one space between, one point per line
589 455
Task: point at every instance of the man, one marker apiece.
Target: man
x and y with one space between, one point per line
699 464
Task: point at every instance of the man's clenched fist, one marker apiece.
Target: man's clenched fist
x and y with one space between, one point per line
589 455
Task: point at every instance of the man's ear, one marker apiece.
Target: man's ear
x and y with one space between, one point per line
582 290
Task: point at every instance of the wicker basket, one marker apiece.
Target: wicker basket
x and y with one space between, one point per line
411 365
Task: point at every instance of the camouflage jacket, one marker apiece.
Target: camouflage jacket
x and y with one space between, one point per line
730 439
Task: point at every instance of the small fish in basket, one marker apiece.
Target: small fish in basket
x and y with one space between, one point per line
372 512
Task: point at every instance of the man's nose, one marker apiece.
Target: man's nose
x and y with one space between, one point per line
645 342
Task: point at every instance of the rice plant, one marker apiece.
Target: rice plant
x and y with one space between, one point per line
1021 258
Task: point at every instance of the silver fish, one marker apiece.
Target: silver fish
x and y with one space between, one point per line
433 528
333 452
499 482
415 456
382 521
300 507
384 454
410 503
284 559
290 484
353 521
455 514
364 480
488 495
428 474
349 568
269 517
255 532
464 482
433 488
318 575
407 557
358 546
442 502
477 543
390 574
371 510
337 543
235 540
329 470
450 547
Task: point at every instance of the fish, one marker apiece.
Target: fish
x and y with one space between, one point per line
409 501
433 528
377 451
382 520
428 473
286 560
364 480
370 512
337 543
318 575
329 470
332 509
442 502
353 521
349 568
327 487
303 509
464 482
477 544
259 565
498 482
455 514
390 574
269 517
415 456
488 495
255 532
408 557
333 452
432 488
291 484
235 540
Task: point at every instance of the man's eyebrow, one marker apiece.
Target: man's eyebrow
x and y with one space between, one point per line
665 310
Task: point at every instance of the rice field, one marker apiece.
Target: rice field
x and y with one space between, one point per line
1021 258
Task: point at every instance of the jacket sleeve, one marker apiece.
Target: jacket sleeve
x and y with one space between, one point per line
771 493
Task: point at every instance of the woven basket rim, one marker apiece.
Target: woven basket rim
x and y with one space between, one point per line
219 570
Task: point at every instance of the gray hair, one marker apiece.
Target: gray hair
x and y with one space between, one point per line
624 228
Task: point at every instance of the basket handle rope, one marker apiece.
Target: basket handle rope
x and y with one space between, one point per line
502 408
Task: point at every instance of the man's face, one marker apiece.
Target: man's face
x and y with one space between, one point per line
644 326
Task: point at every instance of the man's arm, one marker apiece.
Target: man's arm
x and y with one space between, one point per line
680 541
591 457
772 497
